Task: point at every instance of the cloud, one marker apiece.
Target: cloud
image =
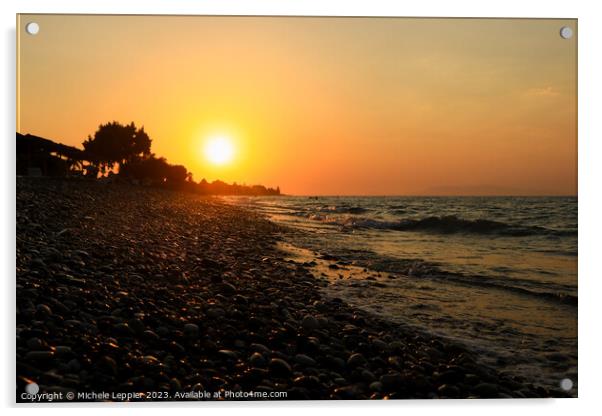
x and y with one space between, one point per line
542 92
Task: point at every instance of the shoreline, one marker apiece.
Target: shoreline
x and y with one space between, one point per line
418 304
130 289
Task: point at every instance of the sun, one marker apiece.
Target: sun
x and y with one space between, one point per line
219 150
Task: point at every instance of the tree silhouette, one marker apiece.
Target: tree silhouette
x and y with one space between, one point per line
114 143
156 171
130 149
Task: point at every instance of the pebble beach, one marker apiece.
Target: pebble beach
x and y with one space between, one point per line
149 294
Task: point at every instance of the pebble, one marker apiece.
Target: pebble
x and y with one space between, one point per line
122 329
43 311
35 344
259 348
151 361
310 323
191 331
163 331
356 360
348 392
175 385
451 377
379 345
257 360
305 360
486 390
73 365
337 362
228 354
368 376
471 379
63 350
376 386
39 355
215 313
150 335
448 390
280 368
71 280
391 380
38 263
176 348
137 326
341 381
229 288
108 365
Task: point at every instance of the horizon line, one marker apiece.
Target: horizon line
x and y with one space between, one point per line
432 195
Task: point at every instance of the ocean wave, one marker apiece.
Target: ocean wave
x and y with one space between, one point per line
422 269
344 209
449 224
480 281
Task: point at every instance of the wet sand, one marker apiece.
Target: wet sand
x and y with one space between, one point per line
137 290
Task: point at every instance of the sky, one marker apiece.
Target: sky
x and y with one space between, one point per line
319 106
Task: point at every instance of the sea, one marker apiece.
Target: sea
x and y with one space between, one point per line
497 274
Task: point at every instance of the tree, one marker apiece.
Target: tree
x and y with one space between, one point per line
157 171
114 143
142 144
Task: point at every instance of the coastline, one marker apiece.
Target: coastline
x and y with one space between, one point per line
129 289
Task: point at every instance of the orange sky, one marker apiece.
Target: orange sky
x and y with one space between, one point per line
356 106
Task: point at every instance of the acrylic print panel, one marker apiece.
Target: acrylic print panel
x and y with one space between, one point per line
279 208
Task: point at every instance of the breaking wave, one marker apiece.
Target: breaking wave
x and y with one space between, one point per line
449 224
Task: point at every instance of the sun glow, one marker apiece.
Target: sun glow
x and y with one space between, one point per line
219 150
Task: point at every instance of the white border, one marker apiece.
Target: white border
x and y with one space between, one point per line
590 178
